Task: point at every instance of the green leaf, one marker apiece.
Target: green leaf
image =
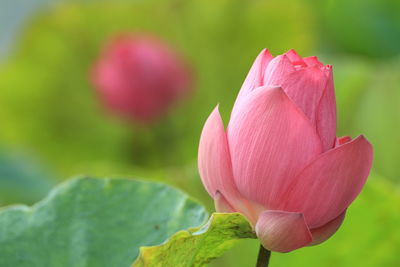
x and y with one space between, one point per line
198 246
94 222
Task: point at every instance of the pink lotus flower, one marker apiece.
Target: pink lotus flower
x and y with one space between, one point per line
279 162
139 77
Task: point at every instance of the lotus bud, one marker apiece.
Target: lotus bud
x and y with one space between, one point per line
279 162
140 77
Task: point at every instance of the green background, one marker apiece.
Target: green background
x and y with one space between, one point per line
52 125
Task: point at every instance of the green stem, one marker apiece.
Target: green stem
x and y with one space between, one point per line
263 257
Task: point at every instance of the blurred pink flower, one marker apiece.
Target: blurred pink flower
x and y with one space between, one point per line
279 162
139 77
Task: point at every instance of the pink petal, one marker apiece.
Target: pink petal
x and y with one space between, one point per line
305 87
282 231
247 207
216 171
313 61
295 58
326 231
277 70
326 187
222 204
342 140
270 141
326 114
255 77
213 158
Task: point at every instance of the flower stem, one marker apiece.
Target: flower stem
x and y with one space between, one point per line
263 257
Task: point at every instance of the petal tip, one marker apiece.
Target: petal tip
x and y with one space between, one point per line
215 114
265 54
363 140
265 51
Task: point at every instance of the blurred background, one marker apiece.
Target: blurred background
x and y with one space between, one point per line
54 124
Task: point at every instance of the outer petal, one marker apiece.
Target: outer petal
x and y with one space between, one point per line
255 77
270 141
312 61
213 159
295 58
222 204
248 208
282 231
324 232
305 87
216 172
342 140
326 114
277 70
326 187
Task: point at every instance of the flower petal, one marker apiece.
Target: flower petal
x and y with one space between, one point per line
313 61
326 231
247 207
255 77
305 87
216 172
270 141
282 231
342 140
295 58
326 114
326 187
221 204
214 160
277 70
